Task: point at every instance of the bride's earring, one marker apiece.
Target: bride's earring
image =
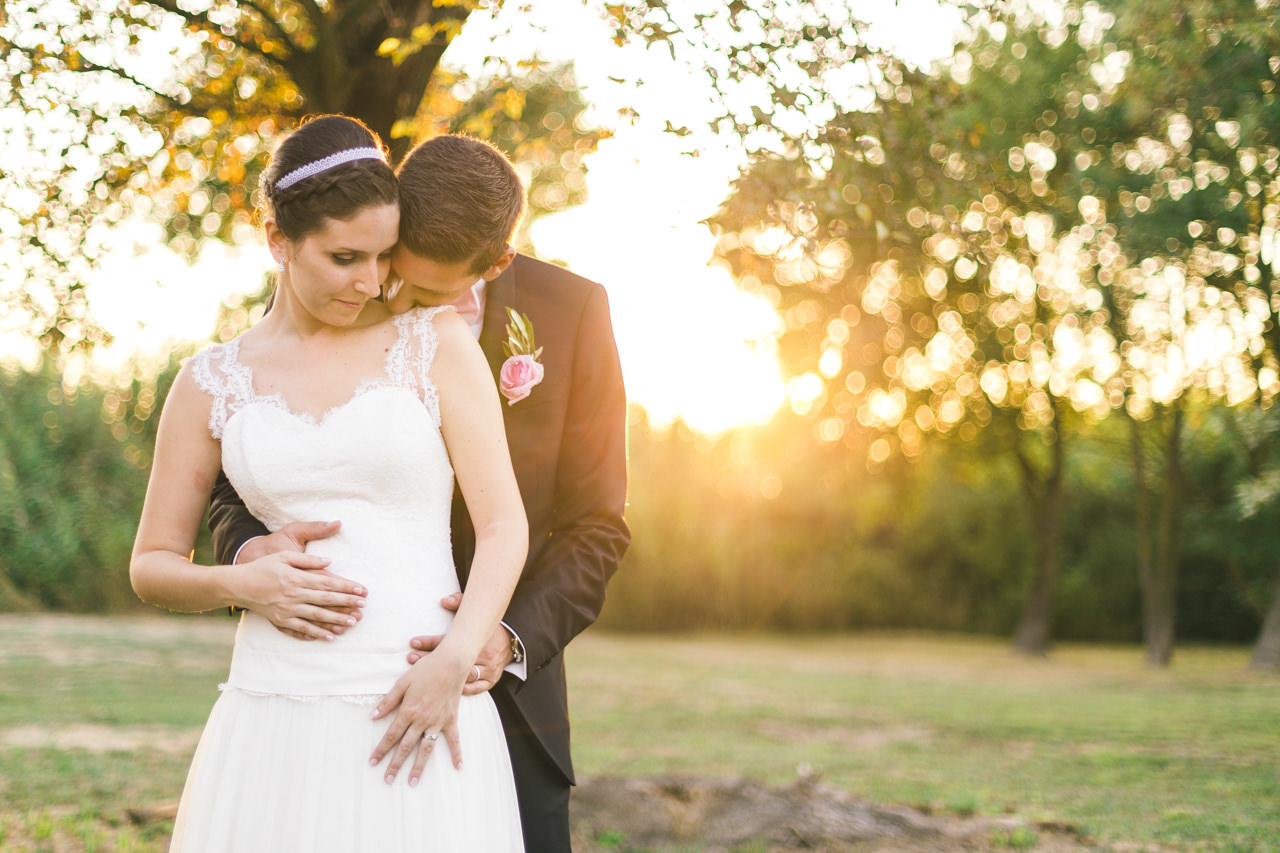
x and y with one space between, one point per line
280 266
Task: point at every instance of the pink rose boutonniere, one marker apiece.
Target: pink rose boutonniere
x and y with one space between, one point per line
522 370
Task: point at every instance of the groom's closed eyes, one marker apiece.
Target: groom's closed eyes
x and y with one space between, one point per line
423 281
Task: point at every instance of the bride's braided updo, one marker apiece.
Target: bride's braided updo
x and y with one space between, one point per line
340 192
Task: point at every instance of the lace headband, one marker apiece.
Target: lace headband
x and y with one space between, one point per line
325 163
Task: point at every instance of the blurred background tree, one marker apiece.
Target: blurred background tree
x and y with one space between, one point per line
1040 231
73 463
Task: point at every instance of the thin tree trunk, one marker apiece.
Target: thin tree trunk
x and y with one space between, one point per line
1266 652
1142 514
1160 588
1034 634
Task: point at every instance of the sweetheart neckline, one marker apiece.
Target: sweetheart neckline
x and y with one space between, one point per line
219 372
278 403
278 400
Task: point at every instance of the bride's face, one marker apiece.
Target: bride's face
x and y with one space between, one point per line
334 271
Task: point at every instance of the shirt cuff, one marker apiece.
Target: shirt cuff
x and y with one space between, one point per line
236 559
519 670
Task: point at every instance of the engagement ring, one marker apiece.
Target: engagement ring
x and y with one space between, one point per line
431 736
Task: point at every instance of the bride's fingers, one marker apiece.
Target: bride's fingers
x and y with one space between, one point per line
390 741
451 736
425 748
351 604
328 581
324 586
309 629
385 706
321 616
413 739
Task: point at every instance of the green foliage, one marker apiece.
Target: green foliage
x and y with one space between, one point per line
73 470
758 530
755 530
752 530
1037 231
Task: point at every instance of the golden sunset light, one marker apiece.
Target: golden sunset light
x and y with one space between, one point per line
884 451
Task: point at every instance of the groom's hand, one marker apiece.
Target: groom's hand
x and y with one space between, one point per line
493 658
294 537
291 537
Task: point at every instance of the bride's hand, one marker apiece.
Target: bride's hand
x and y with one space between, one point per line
296 536
425 701
294 591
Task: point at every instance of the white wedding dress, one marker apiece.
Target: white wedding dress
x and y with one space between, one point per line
283 763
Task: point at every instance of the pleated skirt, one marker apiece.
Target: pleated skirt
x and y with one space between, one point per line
275 773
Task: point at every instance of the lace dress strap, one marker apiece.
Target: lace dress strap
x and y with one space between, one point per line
409 362
219 373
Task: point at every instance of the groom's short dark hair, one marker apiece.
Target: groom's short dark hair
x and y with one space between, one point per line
460 200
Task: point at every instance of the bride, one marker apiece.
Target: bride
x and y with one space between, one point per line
330 407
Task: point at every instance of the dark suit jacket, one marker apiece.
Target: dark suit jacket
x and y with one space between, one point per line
568 448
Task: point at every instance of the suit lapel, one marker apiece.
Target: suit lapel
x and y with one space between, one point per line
498 294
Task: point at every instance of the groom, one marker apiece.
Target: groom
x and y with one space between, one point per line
461 201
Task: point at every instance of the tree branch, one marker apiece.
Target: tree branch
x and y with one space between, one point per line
271 22
88 65
215 30
315 13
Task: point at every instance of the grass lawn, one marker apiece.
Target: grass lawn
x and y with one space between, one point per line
98 714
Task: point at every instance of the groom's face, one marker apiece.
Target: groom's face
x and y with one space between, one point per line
426 282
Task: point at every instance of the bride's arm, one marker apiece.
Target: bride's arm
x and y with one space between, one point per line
284 587
471 421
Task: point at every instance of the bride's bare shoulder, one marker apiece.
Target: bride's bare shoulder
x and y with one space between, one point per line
447 318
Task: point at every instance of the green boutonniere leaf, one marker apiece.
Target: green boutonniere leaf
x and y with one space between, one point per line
520 336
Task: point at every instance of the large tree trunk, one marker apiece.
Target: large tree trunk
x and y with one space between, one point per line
1158 549
343 72
1034 634
1266 652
